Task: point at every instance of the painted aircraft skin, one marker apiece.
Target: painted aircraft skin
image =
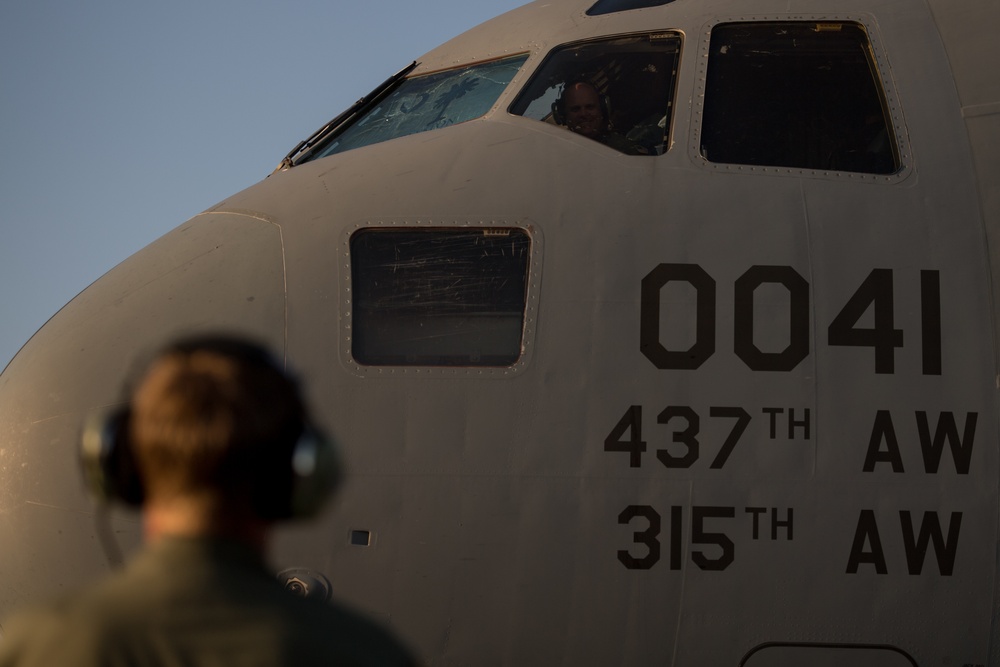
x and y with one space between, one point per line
819 486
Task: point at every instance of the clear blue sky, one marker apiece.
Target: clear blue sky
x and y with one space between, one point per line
119 120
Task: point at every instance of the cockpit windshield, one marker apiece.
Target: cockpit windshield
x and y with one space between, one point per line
618 91
425 102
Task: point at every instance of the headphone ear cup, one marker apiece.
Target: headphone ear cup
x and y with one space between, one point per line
557 114
109 469
308 478
316 473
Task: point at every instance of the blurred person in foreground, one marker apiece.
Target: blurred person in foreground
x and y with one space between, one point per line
215 445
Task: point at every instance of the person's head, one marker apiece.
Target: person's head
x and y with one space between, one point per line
211 420
582 109
215 432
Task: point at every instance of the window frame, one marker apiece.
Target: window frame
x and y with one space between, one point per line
882 76
533 289
536 71
314 148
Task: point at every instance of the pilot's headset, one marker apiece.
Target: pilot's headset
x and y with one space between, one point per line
290 480
559 106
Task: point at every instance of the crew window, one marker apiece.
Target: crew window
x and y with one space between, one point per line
612 6
796 94
425 102
438 296
633 76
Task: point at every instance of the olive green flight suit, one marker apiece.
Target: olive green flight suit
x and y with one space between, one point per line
195 603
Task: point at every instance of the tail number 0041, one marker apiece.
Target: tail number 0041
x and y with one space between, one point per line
875 293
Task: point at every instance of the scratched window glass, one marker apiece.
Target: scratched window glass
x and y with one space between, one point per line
796 94
429 102
438 297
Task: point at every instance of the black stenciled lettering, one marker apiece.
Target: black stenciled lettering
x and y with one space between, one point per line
630 422
648 537
805 423
676 542
930 532
742 421
883 431
756 513
930 321
701 536
777 523
773 413
794 423
686 437
798 334
961 448
875 292
649 322
867 533
626 436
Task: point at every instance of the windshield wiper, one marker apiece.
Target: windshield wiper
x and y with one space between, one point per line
323 133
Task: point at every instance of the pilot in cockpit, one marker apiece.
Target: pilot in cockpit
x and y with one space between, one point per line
582 109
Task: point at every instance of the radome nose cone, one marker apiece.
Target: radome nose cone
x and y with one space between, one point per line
217 272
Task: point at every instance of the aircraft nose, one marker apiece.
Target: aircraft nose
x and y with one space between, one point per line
217 272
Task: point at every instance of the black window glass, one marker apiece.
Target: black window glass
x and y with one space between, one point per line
631 81
427 102
438 297
796 94
611 6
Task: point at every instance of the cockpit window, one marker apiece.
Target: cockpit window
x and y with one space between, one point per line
618 91
425 102
796 94
612 6
438 296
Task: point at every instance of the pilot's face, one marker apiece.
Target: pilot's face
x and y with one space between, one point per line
583 110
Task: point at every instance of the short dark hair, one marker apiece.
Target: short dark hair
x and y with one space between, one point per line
211 417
